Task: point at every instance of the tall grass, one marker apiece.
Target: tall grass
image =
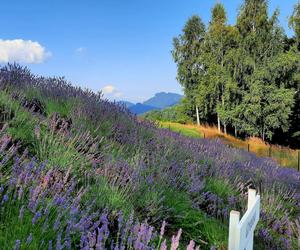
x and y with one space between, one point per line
286 157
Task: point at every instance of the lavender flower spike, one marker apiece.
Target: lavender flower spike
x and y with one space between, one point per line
175 240
191 245
17 245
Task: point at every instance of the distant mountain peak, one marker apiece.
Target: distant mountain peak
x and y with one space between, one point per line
160 100
163 100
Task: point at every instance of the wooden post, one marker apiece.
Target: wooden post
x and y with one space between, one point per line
248 147
270 151
298 160
280 160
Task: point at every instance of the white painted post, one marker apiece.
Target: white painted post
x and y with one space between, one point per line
241 232
234 237
251 198
251 202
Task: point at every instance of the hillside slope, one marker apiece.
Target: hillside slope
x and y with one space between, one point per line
79 172
285 156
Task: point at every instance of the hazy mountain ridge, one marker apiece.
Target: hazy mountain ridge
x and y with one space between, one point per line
161 100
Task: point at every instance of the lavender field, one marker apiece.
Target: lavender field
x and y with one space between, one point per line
79 172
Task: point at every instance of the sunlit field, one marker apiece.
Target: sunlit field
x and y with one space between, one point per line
284 156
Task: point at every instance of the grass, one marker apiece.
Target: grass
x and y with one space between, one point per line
195 224
182 129
58 151
21 228
54 149
20 124
109 196
219 187
284 156
63 107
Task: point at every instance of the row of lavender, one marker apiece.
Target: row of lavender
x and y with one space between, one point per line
38 210
184 163
279 187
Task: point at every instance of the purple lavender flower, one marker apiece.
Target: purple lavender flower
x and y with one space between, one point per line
83 241
50 245
36 217
17 245
191 245
164 245
67 242
175 240
92 239
29 239
59 246
21 213
4 199
120 220
162 229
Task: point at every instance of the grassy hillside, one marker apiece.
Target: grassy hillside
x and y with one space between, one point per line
78 172
284 156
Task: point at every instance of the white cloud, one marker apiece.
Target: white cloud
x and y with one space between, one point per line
111 91
22 51
80 50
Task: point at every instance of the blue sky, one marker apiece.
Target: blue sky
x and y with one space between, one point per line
121 46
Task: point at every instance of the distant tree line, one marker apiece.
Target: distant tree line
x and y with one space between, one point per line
174 113
244 77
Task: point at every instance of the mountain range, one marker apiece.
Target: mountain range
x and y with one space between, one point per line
161 100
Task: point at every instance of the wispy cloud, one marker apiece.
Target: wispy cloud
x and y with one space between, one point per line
22 51
80 50
111 91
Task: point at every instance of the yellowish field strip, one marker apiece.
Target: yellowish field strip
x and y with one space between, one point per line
283 155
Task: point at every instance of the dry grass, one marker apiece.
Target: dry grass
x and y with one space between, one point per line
283 155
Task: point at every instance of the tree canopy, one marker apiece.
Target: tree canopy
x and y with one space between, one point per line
243 77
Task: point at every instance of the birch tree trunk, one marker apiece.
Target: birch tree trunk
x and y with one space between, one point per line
197 114
219 124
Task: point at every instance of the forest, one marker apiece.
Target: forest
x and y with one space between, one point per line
243 78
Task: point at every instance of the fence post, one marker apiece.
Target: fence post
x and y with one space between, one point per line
270 151
241 232
298 160
203 135
248 147
251 198
280 156
233 241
